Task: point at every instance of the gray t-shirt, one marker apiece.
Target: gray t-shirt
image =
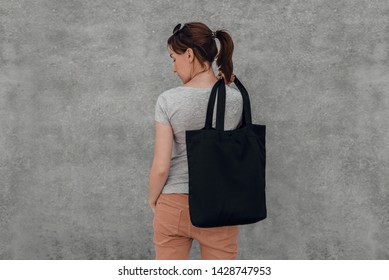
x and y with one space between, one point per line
184 108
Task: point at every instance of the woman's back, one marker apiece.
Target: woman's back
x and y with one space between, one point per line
184 108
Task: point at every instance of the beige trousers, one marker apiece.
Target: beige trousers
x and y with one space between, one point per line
174 232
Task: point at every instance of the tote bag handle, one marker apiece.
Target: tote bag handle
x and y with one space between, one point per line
220 89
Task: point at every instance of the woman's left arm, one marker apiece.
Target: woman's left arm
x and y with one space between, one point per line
161 162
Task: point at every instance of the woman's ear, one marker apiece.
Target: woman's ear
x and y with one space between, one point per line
190 54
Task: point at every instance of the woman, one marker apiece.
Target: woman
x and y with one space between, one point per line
193 49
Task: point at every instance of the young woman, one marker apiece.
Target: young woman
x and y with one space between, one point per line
193 49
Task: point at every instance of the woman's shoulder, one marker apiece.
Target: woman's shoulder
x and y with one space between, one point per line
170 92
180 92
232 89
233 93
176 92
166 95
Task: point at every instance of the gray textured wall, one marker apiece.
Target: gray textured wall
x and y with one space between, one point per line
79 82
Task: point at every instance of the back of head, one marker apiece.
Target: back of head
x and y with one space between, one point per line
201 39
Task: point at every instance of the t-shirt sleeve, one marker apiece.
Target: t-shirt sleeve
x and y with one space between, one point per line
161 114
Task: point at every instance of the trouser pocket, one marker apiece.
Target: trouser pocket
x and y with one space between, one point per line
166 218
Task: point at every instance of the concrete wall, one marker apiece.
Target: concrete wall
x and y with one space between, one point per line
78 86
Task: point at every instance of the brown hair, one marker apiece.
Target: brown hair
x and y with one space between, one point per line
199 37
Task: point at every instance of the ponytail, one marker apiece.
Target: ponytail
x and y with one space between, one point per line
224 57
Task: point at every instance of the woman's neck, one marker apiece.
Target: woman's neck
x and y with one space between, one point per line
205 79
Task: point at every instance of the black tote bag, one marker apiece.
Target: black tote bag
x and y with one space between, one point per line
226 167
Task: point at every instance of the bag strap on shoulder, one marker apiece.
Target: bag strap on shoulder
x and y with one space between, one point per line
220 89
